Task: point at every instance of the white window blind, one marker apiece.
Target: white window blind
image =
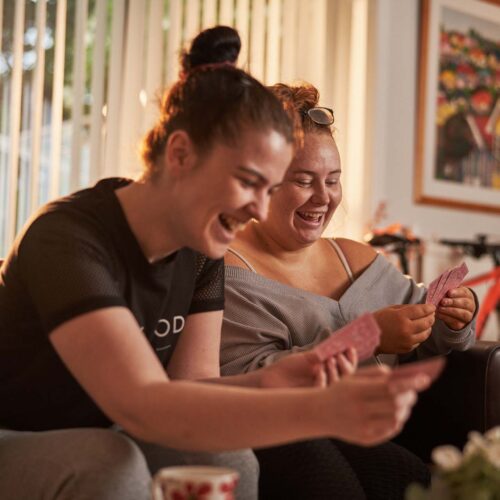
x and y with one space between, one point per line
80 81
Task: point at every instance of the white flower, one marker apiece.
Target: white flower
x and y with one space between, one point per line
493 434
448 458
476 444
493 454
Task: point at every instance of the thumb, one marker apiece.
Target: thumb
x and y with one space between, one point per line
319 377
312 357
373 371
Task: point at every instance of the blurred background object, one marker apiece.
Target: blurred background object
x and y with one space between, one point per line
399 240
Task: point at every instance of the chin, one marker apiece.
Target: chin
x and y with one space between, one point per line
213 249
216 252
308 235
309 239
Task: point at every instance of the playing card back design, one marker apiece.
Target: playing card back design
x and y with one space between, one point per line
363 334
451 278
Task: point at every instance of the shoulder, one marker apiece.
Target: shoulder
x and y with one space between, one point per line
205 267
359 255
51 227
78 213
231 259
241 253
60 233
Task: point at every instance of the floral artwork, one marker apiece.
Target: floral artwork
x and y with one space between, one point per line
468 108
458 134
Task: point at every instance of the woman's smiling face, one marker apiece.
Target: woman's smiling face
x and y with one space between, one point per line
311 191
230 186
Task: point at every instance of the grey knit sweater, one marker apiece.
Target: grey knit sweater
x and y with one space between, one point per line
265 319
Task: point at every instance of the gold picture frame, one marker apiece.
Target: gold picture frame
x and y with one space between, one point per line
457 154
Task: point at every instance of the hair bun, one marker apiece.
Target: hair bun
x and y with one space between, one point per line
301 97
214 45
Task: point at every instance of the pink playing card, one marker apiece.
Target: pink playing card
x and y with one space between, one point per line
455 278
439 289
431 290
431 367
363 334
448 280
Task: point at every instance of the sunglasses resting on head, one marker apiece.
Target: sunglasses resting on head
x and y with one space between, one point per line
320 115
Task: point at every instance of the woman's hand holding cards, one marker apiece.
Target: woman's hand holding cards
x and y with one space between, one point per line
455 303
306 369
457 308
340 365
404 327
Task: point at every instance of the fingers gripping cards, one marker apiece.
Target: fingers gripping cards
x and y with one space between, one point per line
451 278
363 334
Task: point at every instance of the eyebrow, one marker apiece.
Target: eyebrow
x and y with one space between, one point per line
251 171
311 172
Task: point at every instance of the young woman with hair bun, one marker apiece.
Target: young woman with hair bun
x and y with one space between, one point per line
111 305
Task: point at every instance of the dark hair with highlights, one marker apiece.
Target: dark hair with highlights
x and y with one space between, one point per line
213 100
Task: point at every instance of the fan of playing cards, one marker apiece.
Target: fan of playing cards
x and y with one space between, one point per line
363 334
451 278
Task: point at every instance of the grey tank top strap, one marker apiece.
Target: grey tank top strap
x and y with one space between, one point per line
342 258
245 261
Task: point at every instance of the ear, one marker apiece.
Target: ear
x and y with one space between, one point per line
180 153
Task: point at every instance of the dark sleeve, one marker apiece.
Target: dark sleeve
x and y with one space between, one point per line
209 288
66 270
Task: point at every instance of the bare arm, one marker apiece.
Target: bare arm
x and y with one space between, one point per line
108 355
110 358
196 354
196 357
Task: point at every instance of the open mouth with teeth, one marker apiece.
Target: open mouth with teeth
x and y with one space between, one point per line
230 223
315 217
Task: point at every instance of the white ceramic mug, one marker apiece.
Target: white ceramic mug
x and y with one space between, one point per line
194 482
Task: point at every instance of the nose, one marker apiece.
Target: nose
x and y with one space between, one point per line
320 194
259 207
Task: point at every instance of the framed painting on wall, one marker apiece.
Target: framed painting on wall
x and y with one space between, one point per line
457 162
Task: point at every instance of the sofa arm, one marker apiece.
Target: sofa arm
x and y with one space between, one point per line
466 397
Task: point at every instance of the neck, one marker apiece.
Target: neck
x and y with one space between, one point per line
146 209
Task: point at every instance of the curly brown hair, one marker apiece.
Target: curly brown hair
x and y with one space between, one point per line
299 99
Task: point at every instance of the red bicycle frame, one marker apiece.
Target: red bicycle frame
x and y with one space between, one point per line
491 299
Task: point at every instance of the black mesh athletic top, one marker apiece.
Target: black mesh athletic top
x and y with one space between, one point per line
77 255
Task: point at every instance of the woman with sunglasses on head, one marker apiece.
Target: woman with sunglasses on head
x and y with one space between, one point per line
111 307
287 288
